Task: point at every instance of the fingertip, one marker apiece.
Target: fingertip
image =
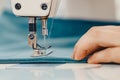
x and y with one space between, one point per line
97 58
93 59
79 55
76 56
90 61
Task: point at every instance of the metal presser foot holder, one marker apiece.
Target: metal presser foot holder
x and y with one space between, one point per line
32 40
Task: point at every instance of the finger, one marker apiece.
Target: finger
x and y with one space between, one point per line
94 39
106 56
84 47
109 27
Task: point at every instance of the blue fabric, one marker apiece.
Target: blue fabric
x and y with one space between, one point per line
65 33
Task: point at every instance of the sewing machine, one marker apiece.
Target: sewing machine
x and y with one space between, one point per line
36 9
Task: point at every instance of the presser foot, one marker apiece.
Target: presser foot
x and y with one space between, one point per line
37 53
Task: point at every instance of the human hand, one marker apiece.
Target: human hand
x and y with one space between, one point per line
103 42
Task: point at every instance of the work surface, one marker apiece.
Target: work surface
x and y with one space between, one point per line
59 72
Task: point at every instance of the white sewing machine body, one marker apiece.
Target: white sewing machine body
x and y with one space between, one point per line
37 8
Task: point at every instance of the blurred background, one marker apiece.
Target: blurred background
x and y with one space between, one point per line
82 9
90 9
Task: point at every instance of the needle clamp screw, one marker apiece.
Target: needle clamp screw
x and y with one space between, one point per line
31 36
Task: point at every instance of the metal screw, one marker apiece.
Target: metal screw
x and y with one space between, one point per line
31 36
18 6
44 6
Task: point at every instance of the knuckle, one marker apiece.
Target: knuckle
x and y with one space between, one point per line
95 32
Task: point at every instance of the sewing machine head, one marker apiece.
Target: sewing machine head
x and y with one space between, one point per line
36 9
39 8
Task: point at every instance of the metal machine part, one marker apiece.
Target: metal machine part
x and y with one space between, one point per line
32 38
41 9
44 26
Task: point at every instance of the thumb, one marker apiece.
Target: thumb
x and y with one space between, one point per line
107 55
